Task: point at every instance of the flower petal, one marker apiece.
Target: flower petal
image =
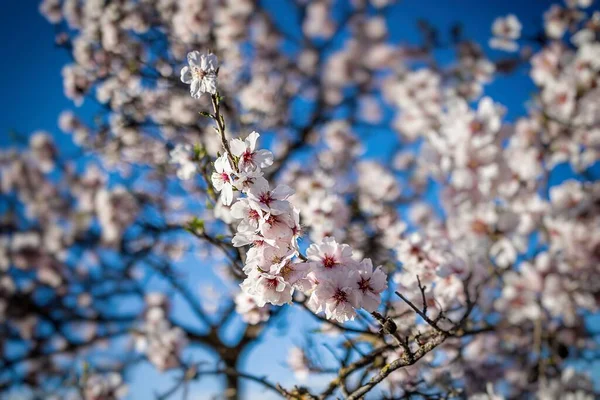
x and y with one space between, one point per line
186 75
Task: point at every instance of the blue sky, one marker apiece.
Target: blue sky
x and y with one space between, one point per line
32 99
30 73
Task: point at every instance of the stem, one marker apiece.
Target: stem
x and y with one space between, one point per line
232 381
232 389
221 128
423 315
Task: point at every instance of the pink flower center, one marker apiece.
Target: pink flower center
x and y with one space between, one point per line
562 98
340 296
517 302
271 283
198 73
479 227
253 214
416 252
225 177
476 127
247 156
329 261
265 198
365 285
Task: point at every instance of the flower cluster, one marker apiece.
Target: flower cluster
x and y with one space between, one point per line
104 387
341 284
246 174
432 265
268 223
159 340
182 156
251 313
337 284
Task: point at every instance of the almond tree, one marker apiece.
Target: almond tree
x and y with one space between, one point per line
462 264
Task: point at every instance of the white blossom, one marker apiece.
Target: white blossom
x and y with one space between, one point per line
222 178
249 157
506 30
182 155
200 73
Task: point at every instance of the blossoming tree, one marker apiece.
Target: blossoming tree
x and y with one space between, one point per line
464 265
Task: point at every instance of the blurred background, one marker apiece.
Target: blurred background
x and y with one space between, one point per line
33 99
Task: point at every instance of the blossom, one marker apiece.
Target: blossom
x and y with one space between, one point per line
251 313
222 178
506 30
269 257
267 288
249 157
158 339
330 255
373 197
271 201
545 65
51 10
116 209
519 294
318 22
555 22
296 274
299 363
200 73
337 296
569 196
277 226
571 384
559 99
182 155
371 283
245 238
326 215
246 180
109 387
413 251
248 212
579 3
